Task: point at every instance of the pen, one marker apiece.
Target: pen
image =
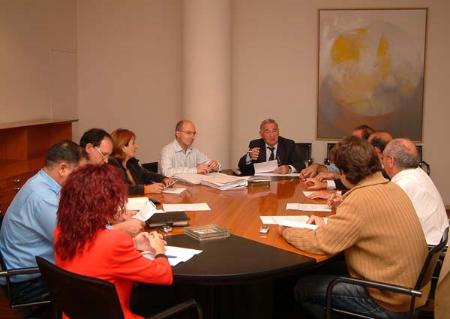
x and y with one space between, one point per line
170 256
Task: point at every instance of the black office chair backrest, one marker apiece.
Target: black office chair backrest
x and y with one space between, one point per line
430 262
304 151
80 297
327 160
152 167
423 164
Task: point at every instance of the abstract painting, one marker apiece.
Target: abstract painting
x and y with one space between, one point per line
371 71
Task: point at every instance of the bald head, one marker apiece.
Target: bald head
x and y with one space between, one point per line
398 155
404 152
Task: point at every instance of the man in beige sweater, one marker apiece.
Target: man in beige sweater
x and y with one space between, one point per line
377 229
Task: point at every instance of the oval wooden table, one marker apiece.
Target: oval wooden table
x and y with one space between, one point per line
245 265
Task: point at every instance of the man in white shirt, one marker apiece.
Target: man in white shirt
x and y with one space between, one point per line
400 160
180 157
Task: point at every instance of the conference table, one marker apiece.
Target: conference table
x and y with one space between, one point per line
246 264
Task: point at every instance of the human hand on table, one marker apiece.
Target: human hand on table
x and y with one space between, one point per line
152 242
154 188
314 184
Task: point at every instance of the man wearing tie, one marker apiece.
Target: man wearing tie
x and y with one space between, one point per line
269 147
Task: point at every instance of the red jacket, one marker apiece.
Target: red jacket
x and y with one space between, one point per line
113 257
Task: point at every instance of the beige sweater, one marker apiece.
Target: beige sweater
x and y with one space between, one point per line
377 228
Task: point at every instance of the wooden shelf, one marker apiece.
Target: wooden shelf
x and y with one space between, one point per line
22 151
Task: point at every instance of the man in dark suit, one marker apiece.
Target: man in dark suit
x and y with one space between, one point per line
271 146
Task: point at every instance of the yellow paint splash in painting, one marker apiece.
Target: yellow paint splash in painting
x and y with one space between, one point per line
349 47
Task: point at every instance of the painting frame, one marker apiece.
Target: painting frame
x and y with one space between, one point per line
371 70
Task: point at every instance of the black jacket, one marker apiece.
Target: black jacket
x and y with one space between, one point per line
141 175
286 155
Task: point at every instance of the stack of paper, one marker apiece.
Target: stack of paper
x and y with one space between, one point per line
216 180
175 255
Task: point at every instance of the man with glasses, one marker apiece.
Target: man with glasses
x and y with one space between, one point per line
180 157
271 146
97 144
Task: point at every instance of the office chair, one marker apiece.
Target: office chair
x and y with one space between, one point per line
423 164
8 273
327 160
152 167
304 150
423 279
82 297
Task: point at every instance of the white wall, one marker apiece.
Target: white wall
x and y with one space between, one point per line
37 59
129 69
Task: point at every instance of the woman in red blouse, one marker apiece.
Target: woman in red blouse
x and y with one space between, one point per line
93 197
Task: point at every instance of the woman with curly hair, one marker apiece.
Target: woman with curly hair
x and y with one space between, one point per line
139 180
93 197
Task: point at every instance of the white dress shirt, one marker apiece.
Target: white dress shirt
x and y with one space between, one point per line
175 161
426 200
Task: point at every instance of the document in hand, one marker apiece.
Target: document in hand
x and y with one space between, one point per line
215 180
265 167
146 212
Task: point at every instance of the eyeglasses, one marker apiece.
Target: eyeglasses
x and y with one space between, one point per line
104 155
189 132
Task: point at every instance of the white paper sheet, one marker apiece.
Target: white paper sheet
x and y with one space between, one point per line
289 221
174 190
265 167
175 255
308 207
186 207
136 203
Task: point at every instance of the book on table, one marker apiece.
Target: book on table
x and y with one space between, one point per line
168 218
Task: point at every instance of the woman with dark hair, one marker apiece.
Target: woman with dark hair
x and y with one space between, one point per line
93 197
376 227
139 180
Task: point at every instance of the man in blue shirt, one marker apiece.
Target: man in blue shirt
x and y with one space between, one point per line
28 225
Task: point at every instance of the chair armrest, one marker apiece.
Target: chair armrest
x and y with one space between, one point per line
181 307
19 271
374 284
368 284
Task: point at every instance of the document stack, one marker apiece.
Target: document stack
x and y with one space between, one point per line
215 180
